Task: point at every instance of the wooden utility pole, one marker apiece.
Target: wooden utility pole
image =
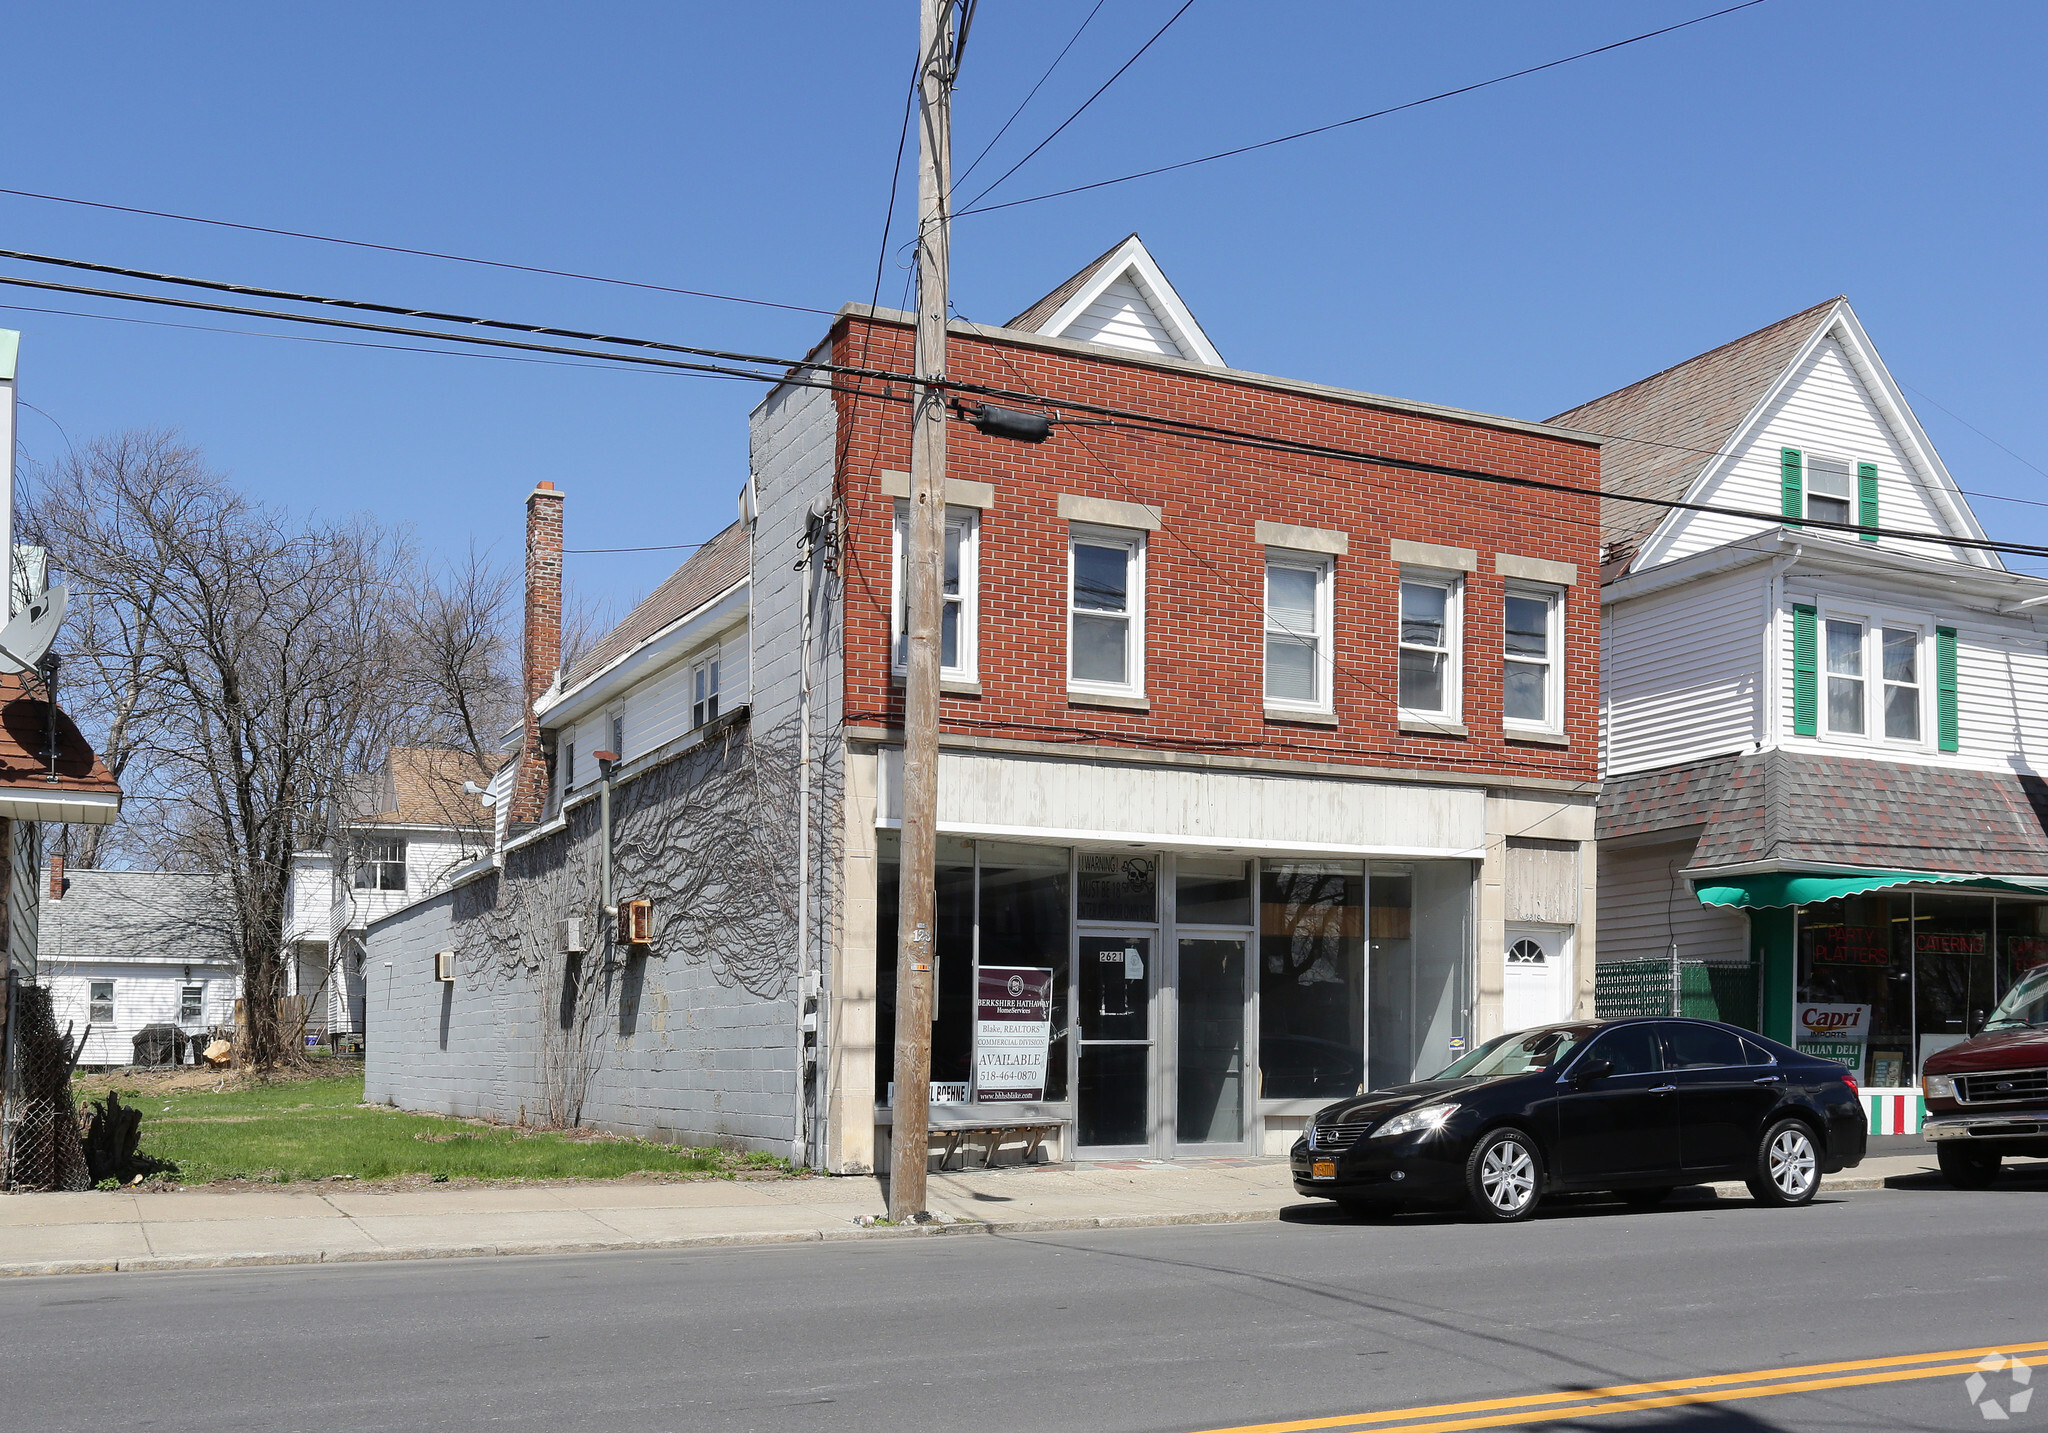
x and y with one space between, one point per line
916 914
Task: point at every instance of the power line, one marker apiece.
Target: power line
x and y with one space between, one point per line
416 253
1342 123
962 179
989 189
659 547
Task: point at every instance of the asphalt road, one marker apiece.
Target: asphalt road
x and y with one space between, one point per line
1189 1328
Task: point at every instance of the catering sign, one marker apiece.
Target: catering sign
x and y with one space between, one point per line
1012 1033
1833 1032
1949 942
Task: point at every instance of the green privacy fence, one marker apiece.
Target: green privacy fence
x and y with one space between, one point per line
1708 991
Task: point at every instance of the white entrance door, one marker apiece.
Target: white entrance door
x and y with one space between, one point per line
1536 988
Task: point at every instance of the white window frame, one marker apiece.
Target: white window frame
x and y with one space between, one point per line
369 859
1132 540
703 692
1875 622
1454 644
99 1011
1552 722
197 989
968 522
615 727
1324 636
1807 494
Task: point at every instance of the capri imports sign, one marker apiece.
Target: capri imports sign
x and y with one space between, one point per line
1833 1032
1012 1033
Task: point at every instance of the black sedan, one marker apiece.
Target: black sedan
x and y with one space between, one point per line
1634 1106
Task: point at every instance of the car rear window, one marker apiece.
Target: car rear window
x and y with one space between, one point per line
1756 1054
1700 1047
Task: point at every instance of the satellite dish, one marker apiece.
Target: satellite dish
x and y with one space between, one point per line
27 638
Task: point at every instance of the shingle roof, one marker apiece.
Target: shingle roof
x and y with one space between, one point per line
717 565
1045 308
139 915
1844 811
421 786
1671 799
24 718
1685 414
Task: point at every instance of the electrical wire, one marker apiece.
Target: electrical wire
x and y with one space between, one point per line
416 253
1021 104
991 188
976 206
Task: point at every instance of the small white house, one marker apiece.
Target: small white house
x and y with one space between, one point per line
405 828
122 950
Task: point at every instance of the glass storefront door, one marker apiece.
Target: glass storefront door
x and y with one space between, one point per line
1209 992
1115 980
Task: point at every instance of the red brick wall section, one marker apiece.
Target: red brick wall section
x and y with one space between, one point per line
1204 659
542 657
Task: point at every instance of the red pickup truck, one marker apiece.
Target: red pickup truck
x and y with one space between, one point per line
1987 1098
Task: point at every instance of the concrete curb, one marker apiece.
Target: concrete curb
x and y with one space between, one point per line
836 1234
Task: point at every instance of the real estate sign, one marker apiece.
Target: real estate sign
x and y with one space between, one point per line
1833 1032
1012 1033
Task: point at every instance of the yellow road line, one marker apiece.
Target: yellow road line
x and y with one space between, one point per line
1760 1384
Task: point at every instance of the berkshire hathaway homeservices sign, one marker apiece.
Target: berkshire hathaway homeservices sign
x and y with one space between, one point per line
1012 1033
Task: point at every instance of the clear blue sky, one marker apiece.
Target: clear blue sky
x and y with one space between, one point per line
1517 250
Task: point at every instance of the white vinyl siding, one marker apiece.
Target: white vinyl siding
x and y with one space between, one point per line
1124 318
1646 905
1680 672
1829 410
658 710
145 993
2001 683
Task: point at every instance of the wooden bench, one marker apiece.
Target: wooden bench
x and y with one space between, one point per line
993 1133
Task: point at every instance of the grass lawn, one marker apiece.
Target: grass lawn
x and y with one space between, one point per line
317 1128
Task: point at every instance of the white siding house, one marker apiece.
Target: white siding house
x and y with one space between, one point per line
1823 732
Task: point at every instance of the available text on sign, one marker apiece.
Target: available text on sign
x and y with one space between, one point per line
1012 1033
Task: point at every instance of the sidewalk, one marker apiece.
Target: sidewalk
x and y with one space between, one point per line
198 1228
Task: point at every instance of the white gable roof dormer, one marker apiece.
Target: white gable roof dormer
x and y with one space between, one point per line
1122 300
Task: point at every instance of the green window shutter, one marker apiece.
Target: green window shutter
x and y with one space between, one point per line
1946 717
1792 485
1866 499
1805 670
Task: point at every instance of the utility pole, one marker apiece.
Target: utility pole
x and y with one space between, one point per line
916 913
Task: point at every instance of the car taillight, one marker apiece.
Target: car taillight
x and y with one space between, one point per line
1850 1080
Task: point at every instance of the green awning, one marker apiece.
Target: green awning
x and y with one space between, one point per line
1792 888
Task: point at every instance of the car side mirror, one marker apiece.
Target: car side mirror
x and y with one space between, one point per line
1590 1070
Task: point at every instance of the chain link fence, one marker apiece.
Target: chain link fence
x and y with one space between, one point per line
1706 990
41 1145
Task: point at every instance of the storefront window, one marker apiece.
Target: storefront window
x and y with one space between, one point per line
1952 977
1419 969
2022 941
1023 921
1118 888
1311 979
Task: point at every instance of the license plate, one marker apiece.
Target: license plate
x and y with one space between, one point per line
1323 1169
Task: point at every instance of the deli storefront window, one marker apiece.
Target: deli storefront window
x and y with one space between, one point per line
1925 967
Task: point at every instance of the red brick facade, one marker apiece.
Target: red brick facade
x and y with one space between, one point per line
542 651
1204 639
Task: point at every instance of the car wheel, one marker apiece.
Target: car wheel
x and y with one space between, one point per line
1967 1168
1645 1198
1787 1165
1503 1177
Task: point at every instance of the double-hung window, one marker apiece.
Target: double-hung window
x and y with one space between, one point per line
1298 632
100 1010
191 1004
1429 644
703 692
1532 635
1874 682
1830 488
380 863
958 606
1106 611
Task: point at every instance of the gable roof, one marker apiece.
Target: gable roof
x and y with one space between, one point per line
1684 415
419 786
715 566
1121 299
158 916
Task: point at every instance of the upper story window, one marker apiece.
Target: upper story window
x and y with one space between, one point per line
1830 488
1298 632
960 578
380 863
619 737
1532 680
703 693
1106 611
1824 488
1874 682
1430 604
1899 657
1845 678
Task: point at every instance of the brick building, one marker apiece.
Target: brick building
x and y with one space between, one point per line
1282 766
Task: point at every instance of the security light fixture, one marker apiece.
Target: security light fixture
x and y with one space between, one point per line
1012 423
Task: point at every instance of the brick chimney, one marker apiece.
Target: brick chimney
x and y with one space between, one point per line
56 878
542 658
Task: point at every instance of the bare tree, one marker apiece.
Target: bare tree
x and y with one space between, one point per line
459 654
